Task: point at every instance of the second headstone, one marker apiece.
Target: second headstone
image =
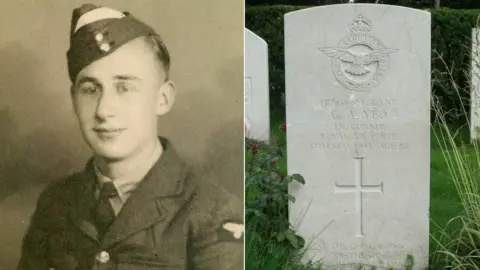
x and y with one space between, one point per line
358 115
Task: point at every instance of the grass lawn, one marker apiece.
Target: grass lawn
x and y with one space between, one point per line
445 204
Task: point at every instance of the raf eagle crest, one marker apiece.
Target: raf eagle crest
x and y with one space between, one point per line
359 60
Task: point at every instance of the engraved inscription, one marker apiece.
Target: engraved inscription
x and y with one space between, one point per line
248 90
358 102
387 247
359 125
353 265
375 254
360 114
359 60
358 189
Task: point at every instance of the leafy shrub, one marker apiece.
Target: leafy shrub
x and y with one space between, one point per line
267 195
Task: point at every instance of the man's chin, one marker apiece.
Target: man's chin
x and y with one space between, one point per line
110 152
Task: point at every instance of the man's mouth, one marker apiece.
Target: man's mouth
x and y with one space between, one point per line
108 132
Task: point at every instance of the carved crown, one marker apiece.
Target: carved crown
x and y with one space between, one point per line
360 25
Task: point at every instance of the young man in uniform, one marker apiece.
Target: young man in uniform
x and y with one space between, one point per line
136 205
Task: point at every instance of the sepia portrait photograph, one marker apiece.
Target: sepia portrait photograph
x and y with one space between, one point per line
122 135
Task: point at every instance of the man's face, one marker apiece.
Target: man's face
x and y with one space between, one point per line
117 100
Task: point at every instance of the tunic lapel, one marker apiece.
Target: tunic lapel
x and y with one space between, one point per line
155 199
83 200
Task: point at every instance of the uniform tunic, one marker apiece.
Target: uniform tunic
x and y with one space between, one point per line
172 220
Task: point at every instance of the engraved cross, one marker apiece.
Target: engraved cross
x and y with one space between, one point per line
358 189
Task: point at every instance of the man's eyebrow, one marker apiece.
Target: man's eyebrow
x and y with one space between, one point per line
86 79
126 78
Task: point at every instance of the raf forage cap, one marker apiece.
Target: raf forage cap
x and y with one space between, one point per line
97 31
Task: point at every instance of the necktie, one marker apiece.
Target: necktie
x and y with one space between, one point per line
104 214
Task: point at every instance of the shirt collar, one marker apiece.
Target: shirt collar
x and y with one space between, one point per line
126 184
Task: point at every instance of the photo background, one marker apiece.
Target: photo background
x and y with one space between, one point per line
39 136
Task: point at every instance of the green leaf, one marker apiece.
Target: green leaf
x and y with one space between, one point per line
289 179
292 238
260 214
301 241
276 196
298 178
280 236
257 169
290 198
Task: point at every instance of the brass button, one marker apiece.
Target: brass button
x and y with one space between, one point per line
103 257
105 47
99 37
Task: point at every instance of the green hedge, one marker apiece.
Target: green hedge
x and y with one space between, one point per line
451 38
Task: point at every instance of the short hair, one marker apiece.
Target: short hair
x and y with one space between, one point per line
161 52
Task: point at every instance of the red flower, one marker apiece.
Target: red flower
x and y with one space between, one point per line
254 149
274 161
280 175
284 127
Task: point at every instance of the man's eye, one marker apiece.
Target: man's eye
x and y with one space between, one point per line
125 87
88 89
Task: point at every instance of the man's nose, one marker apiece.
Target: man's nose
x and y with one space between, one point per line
106 105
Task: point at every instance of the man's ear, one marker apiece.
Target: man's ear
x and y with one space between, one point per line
166 97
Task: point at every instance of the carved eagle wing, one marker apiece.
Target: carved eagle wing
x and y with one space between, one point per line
338 53
377 56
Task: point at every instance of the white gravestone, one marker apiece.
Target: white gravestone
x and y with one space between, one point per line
475 84
257 108
358 115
